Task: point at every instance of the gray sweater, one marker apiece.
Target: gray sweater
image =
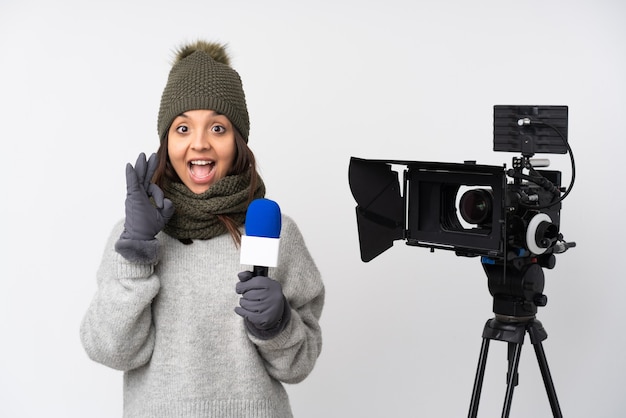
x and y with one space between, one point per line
172 329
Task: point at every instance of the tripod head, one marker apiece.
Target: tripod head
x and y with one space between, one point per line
516 292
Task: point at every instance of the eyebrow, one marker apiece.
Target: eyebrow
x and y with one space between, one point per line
213 112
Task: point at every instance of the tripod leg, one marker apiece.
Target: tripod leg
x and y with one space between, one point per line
512 381
509 357
478 381
547 380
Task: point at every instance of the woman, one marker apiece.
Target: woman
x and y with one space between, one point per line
195 335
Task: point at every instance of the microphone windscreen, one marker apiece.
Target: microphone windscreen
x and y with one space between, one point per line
263 219
261 241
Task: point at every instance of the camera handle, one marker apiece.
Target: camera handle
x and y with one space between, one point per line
515 311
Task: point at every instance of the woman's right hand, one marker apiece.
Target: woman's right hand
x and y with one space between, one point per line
143 218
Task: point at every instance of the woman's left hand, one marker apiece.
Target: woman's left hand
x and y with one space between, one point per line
262 304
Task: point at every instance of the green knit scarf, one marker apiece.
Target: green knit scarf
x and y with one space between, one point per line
196 214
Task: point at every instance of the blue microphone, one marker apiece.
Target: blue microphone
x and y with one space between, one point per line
259 245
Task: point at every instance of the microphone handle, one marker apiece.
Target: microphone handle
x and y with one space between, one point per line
260 271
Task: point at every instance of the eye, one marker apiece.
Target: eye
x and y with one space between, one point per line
182 129
218 129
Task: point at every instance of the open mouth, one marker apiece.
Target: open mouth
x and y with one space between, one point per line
201 168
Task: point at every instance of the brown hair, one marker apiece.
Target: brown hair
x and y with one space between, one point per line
244 161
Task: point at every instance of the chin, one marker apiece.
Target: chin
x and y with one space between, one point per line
198 188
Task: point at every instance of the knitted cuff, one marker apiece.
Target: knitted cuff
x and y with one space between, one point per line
268 334
136 251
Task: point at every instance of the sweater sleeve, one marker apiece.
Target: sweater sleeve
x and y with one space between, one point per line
292 354
117 328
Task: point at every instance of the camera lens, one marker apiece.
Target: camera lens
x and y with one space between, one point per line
476 205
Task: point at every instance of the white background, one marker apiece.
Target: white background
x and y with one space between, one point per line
80 84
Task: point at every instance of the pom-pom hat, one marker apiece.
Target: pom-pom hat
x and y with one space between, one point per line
202 78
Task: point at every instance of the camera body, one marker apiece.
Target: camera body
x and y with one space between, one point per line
467 208
475 211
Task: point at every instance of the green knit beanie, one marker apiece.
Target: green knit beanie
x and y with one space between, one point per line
202 78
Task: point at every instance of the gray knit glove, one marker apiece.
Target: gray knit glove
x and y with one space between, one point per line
144 219
263 306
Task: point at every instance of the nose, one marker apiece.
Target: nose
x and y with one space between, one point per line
200 141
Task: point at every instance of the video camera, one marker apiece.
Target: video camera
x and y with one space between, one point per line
471 209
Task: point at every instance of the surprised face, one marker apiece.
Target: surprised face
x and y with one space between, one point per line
201 148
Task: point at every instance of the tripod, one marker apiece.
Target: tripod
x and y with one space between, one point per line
515 310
